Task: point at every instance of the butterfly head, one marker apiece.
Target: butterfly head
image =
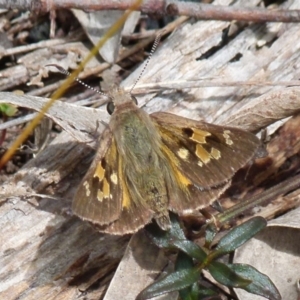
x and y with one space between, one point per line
120 99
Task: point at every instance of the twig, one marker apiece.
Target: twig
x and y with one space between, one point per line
27 48
200 83
17 121
162 7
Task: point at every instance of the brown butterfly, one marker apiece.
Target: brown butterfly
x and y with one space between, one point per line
147 165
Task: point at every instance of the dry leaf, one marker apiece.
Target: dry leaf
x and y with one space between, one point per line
143 261
97 23
265 110
80 122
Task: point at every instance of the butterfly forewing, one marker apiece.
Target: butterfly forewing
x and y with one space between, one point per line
99 196
207 154
203 157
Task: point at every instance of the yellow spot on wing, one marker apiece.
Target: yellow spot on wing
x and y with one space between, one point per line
106 189
181 180
125 194
202 154
125 197
99 172
199 136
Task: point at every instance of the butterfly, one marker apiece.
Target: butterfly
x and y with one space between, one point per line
147 165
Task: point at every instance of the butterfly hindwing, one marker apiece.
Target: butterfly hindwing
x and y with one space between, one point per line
134 215
130 220
184 195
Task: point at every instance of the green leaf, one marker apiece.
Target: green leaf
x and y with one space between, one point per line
173 282
191 249
196 292
190 293
164 239
239 235
183 262
8 109
210 233
260 285
226 276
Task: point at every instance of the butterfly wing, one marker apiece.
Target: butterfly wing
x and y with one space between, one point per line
203 158
106 197
99 195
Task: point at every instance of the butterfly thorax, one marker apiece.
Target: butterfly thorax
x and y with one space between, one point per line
138 145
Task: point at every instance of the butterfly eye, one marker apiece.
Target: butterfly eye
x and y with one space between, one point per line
110 107
134 99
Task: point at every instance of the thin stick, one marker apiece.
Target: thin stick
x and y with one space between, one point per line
201 11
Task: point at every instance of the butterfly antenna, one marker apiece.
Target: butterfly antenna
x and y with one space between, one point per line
67 73
155 44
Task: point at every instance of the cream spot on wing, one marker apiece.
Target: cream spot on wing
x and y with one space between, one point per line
200 163
114 178
100 195
226 135
105 192
215 153
87 188
183 153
